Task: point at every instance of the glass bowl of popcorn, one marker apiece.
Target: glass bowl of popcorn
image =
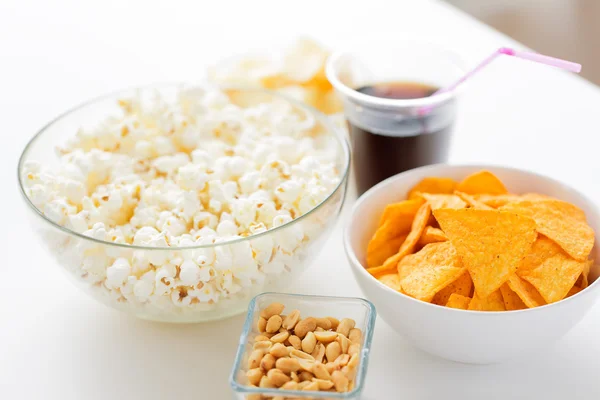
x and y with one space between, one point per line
180 203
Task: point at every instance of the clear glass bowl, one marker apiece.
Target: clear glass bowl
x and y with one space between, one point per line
85 259
360 310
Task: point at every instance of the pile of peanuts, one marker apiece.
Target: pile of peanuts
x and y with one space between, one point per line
310 354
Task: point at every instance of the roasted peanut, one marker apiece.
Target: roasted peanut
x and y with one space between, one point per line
319 329
333 351
350 372
272 309
343 341
319 352
353 349
323 384
303 384
264 345
304 326
294 376
353 362
254 376
255 358
311 386
254 397
331 366
291 385
291 320
287 365
265 382
305 376
339 381
326 337
342 360
261 338
301 355
261 325
278 350
278 398
280 337
355 336
323 323
295 341
273 324
334 322
345 326
277 377
309 342
267 362
306 365
320 371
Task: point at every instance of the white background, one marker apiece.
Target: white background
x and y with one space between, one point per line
56 343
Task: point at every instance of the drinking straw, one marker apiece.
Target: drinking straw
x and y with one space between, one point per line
525 55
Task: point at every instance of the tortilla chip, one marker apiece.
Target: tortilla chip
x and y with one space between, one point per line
458 301
425 282
542 249
390 280
554 277
525 290
499 200
442 253
462 286
512 301
562 222
481 182
417 228
402 212
378 252
574 290
490 243
444 201
432 185
432 235
493 302
583 280
471 201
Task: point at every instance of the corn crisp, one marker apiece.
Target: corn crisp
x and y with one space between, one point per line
583 280
444 201
562 222
432 185
499 200
574 290
472 202
442 253
555 276
493 302
391 281
377 254
482 182
490 243
525 290
425 282
432 235
458 301
463 286
512 301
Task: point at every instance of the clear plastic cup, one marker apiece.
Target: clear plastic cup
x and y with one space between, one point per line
394 135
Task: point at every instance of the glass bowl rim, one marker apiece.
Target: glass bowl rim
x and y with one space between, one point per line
361 374
318 115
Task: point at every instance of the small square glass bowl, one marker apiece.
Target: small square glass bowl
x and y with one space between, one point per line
360 310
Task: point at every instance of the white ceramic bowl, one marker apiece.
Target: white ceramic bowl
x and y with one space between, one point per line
459 335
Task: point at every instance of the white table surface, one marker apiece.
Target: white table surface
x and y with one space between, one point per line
56 343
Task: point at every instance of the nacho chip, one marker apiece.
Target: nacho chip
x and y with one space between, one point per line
391 281
378 253
542 249
401 213
417 228
462 286
499 200
555 276
471 201
583 280
560 221
432 185
458 301
444 201
490 243
512 301
525 290
574 290
432 235
442 253
493 302
481 182
425 282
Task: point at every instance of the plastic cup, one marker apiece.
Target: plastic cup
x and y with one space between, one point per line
394 135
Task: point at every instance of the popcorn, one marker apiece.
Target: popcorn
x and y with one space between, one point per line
173 183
